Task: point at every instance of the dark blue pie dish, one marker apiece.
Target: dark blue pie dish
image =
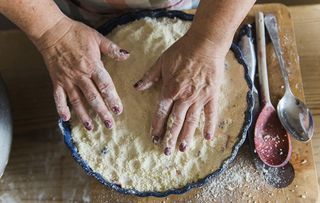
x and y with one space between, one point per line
66 128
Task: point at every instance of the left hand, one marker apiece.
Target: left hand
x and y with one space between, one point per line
191 72
72 52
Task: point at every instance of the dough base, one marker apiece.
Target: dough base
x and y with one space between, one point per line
126 155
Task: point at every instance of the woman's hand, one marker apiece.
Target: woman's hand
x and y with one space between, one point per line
72 53
191 72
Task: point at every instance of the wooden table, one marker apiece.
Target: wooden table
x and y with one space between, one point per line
41 168
306 21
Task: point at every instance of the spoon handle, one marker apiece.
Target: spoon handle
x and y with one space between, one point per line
262 59
272 27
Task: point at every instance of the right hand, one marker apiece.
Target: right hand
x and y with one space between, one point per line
72 53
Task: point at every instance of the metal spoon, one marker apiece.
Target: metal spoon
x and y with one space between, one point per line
293 113
277 177
272 143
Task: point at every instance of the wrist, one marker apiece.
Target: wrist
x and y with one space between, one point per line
209 47
36 31
53 33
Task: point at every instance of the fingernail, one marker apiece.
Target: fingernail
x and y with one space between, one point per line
123 51
155 139
208 136
167 151
108 124
182 147
116 110
88 126
64 117
138 84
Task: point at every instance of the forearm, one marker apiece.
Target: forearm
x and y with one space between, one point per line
217 21
33 17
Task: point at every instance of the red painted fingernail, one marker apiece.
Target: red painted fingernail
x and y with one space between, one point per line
116 110
123 51
64 117
182 147
88 126
138 84
108 124
167 151
155 139
208 136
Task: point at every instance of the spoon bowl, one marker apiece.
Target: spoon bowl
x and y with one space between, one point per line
272 143
295 117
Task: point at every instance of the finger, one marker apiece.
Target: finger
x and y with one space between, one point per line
107 89
159 119
174 125
95 100
112 50
210 113
60 99
189 127
149 78
77 103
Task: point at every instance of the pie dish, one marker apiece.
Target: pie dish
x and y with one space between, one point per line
85 147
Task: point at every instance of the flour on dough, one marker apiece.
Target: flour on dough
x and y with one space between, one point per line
126 155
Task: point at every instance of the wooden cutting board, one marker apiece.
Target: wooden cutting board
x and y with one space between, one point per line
41 168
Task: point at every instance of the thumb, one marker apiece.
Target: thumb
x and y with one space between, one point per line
112 50
149 78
